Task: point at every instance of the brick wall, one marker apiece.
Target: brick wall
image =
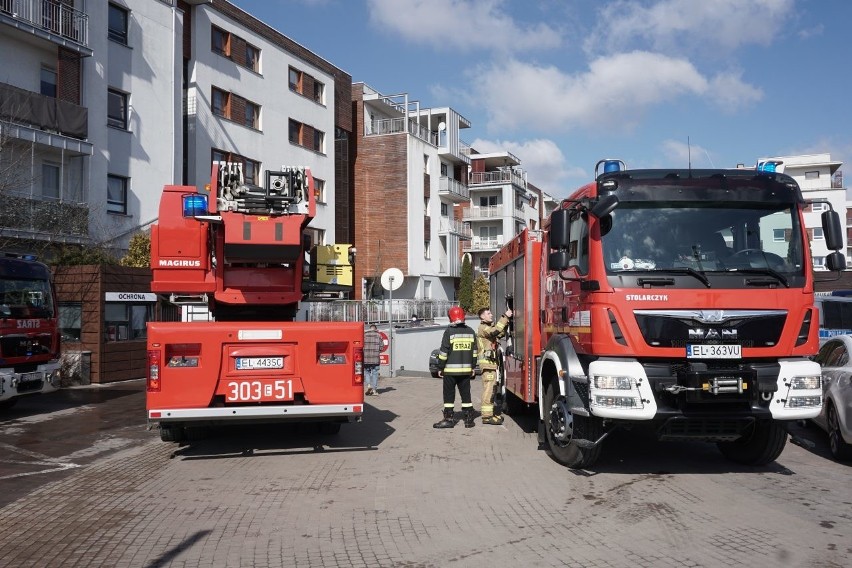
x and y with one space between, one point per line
68 76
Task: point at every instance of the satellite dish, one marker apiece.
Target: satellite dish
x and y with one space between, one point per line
392 279
442 126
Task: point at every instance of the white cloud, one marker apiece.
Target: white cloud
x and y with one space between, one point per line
461 24
676 25
544 162
615 91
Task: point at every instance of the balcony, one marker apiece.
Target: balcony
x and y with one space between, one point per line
453 190
398 125
51 20
449 226
498 177
26 108
484 244
28 217
488 213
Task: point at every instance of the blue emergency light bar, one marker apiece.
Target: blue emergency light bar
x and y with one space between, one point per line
612 166
194 205
769 166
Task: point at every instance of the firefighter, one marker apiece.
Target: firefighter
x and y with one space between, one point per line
456 364
486 339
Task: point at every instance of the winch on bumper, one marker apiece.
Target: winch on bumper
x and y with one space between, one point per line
12 384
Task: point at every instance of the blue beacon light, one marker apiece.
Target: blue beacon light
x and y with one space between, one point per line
611 166
194 205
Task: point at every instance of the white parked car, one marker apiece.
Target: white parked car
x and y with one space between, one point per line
835 358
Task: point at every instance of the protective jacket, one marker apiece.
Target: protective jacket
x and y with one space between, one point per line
457 355
486 338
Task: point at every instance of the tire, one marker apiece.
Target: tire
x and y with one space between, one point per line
840 450
565 451
434 374
762 446
7 404
329 428
171 433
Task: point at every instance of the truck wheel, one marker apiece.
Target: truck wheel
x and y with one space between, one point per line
171 433
329 428
7 404
839 448
562 429
763 445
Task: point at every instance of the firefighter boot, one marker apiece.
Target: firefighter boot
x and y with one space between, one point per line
493 420
447 422
468 418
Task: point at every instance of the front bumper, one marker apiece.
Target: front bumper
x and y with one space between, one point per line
257 413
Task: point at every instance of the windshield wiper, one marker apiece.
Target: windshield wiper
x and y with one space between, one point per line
679 270
769 271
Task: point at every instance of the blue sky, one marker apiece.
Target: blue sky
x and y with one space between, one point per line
565 83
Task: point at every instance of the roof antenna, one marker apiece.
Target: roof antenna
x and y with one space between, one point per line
689 155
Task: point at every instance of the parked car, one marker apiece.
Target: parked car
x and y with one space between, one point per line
836 415
433 363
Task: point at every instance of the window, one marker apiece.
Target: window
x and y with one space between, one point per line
319 190
50 181
812 175
319 141
818 235
319 92
70 320
251 168
219 103
117 109
427 250
778 235
819 207
295 80
48 82
819 261
252 58
126 321
445 210
117 25
252 118
295 132
444 169
117 194
426 163
220 41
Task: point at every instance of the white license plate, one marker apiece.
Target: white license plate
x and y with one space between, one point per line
247 363
258 391
714 352
31 377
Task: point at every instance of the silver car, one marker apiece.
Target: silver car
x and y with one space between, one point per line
836 416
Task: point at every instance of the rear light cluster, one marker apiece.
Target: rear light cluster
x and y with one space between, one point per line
154 358
358 377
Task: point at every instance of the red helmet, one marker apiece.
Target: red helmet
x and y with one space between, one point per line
456 314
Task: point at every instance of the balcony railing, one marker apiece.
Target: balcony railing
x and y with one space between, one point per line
498 177
489 212
52 16
484 243
453 188
397 125
459 228
55 218
27 108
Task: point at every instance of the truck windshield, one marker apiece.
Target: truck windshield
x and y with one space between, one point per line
25 298
660 237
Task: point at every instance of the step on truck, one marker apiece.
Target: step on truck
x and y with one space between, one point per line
29 329
239 249
680 299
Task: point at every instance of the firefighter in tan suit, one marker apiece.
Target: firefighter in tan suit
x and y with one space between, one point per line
486 344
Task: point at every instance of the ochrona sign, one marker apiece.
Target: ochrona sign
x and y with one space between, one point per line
130 297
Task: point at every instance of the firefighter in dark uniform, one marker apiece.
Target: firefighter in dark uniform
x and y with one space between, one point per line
487 336
457 364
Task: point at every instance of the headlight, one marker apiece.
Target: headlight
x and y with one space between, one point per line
806 383
613 383
617 401
804 401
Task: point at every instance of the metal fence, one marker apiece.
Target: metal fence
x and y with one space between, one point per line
376 311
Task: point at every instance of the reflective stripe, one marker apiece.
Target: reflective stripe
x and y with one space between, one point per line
458 368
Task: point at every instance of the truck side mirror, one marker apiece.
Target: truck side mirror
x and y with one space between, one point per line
835 261
558 235
832 230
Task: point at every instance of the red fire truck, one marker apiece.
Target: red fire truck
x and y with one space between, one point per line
241 252
29 330
683 299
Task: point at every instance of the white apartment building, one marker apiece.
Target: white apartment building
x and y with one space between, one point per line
110 101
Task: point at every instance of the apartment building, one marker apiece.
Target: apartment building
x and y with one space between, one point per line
815 174
110 101
411 171
501 205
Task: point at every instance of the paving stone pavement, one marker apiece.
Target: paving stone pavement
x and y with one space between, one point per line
393 491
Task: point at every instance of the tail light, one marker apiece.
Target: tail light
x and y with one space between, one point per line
153 371
358 377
